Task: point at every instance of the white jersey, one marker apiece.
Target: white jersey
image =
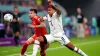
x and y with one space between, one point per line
55 23
56 30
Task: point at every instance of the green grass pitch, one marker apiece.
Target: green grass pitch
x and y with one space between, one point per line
90 45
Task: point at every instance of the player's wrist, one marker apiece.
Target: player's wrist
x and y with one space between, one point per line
36 26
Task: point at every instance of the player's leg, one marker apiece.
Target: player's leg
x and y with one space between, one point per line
46 38
73 48
25 45
43 48
16 38
35 47
69 45
15 29
82 31
78 31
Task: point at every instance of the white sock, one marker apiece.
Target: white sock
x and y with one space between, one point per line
35 47
80 51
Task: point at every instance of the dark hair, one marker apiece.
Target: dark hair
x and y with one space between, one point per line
35 10
15 7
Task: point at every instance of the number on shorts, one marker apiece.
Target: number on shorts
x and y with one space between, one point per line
63 39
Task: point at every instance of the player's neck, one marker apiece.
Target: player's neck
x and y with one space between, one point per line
35 16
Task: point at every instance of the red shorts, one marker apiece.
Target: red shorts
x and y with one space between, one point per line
35 36
43 46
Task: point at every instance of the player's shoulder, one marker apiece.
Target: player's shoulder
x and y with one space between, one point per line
36 17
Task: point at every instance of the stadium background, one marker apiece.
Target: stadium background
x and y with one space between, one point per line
90 8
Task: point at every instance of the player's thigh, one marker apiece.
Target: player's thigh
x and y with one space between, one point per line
49 38
34 36
64 40
31 40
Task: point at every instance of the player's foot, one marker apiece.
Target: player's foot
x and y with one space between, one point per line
85 55
24 55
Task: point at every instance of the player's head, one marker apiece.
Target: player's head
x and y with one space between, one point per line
79 10
32 13
16 9
51 9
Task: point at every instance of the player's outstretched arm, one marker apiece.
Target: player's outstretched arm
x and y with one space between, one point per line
41 25
37 26
50 3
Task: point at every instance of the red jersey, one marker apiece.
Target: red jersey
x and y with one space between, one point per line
38 31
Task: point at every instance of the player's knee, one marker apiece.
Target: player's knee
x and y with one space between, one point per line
16 34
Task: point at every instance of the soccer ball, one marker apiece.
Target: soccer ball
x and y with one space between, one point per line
8 17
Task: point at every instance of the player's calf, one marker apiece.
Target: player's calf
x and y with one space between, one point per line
43 47
77 50
35 47
25 45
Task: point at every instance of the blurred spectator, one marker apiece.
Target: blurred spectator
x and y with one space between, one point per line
85 22
80 28
73 23
15 25
94 22
2 30
8 31
98 23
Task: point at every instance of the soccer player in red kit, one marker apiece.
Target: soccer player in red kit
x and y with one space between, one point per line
40 30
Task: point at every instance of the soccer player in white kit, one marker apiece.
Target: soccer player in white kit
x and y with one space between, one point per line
54 18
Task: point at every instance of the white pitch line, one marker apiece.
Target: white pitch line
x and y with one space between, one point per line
80 44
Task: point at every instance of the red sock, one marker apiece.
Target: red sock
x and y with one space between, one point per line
24 48
42 53
43 48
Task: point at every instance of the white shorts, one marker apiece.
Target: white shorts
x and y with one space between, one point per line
58 37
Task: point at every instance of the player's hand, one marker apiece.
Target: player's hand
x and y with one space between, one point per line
14 20
50 2
31 26
19 20
41 19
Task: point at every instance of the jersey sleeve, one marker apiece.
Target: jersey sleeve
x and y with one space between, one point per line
45 18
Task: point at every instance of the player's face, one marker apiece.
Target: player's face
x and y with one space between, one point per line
51 11
31 14
78 10
16 10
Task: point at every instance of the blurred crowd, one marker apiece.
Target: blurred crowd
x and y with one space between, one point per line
5 27
72 23
74 27
39 4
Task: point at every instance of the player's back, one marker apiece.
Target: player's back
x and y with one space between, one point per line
38 31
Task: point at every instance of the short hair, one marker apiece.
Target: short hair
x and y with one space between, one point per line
15 7
35 10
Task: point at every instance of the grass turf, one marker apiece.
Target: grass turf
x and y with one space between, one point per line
90 45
